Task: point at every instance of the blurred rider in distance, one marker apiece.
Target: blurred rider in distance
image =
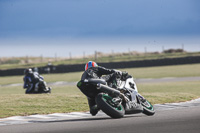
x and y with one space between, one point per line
32 81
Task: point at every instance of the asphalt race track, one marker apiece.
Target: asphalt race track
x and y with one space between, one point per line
169 118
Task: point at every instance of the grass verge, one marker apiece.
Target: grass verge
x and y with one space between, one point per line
26 62
65 99
159 93
146 72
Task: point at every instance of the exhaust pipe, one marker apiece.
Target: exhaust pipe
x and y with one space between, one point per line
112 91
108 89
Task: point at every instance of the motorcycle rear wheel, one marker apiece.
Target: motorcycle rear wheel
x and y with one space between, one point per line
104 102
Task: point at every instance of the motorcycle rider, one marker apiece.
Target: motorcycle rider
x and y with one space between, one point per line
93 71
32 80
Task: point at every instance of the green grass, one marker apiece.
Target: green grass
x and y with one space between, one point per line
159 93
14 102
192 70
69 77
146 72
117 57
11 80
64 99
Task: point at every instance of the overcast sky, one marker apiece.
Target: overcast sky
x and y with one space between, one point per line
49 27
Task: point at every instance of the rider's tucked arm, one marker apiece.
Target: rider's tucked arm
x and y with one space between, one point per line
105 71
41 77
26 81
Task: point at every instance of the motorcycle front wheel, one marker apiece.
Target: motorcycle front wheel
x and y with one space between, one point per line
148 108
105 103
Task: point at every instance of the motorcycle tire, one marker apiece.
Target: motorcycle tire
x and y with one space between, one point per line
103 102
148 108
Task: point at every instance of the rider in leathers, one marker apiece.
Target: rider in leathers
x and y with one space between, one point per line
95 72
32 80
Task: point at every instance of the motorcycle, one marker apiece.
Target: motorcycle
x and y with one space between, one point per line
125 99
40 89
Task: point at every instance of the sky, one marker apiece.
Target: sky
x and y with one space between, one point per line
77 27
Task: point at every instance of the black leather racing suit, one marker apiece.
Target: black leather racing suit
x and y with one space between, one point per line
88 89
32 81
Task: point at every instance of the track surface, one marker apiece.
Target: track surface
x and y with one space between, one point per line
169 118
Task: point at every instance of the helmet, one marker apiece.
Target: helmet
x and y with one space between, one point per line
90 64
26 71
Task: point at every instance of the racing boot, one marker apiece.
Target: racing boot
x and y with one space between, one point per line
49 90
94 110
93 106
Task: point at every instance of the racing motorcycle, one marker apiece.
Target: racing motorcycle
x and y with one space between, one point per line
41 88
121 100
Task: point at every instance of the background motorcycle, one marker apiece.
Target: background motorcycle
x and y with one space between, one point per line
41 88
